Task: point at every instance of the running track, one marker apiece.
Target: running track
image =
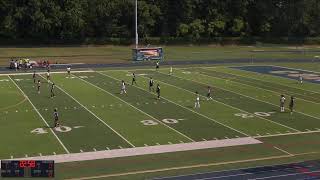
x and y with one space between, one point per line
304 170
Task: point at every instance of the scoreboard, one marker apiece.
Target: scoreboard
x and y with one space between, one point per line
27 168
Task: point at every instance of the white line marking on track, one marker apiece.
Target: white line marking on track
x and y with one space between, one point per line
103 122
64 147
136 107
285 175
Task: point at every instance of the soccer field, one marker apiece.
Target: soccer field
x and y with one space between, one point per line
242 123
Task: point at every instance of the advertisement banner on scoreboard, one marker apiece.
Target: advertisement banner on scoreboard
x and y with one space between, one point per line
141 54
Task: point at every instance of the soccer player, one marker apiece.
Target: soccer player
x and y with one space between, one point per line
123 87
300 78
158 91
52 90
291 105
69 70
48 75
157 66
38 85
209 93
133 79
56 118
197 102
34 77
171 70
151 82
282 101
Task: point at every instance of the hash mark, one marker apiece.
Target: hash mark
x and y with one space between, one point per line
181 142
81 150
204 139
40 154
26 155
226 137
170 142
11 157
120 147
145 144
158 144
54 153
94 149
108 148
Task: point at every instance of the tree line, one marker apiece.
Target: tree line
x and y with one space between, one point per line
194 19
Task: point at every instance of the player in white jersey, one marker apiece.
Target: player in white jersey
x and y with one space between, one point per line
171 71
300 79
69 70
282 101
48 75
197 102
123 87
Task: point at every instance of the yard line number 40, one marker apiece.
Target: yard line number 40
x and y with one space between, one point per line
154 122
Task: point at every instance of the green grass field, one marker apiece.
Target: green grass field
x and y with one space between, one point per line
96 117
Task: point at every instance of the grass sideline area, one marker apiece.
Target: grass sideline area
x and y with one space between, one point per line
244 104
122 54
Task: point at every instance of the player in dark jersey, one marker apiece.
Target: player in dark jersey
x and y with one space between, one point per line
133 79
151 82
52 90
291 104
158 91
56 118
38 86
282 101
34 77
209 93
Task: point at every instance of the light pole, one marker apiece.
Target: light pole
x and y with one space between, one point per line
136 23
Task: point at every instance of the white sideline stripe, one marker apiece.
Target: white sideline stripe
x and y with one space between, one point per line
147 150
285 175
135 107
286 152
287 134
94 115
272 91
224 103
64 147
195 112
244 96
43 72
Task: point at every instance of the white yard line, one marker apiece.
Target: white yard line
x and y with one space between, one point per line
232 106
263 88
64 147
249 96
135 108
103 122
188 109
286 152
127 152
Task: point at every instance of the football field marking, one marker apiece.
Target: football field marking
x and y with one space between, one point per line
226 104
146 150
286 152
253 98
287 134
103 122
136 108
269 82
187 109
64 147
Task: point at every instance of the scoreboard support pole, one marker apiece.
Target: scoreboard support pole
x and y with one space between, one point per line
136 23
